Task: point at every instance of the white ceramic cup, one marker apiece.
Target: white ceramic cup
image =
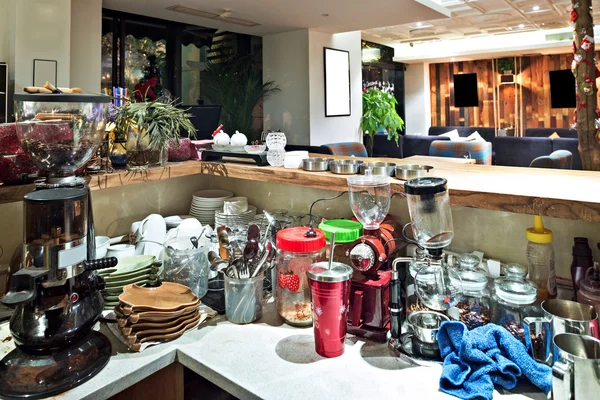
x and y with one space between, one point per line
121 251
102 243
133 232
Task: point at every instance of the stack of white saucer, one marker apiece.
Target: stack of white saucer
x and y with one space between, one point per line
206 202
235 213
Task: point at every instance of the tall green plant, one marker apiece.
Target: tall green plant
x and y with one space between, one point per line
379 110
237 85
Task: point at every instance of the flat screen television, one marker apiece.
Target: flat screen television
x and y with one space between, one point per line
465 90
562 89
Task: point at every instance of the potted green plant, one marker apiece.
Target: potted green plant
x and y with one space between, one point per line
151 128
236 84
379 111
506 65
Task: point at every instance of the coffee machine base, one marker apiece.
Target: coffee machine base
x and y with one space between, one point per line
39 375
378 335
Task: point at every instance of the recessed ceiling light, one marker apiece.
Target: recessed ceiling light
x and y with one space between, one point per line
521 26
536 8
325 15
453 59
419 23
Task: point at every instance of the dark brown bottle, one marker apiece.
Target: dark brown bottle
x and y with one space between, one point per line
582 260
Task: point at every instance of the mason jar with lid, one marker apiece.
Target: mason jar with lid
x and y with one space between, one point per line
295 253
346 232
514 299
474 304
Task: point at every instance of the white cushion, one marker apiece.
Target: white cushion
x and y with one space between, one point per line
453 135
475 137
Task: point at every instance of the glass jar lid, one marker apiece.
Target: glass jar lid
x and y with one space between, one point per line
368 180
468 274
294 240
514 287
346 231
339 272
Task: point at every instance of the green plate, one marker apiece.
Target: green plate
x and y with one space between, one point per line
138 280
135 274
128 265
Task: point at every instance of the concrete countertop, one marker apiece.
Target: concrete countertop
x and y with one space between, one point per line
269 360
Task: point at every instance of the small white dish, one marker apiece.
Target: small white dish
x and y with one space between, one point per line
255 148
190 227
120 251
102 244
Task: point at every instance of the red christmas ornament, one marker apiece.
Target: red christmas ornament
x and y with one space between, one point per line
587 43
574 15
582 104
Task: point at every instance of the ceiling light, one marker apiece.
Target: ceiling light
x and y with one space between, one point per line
453 59
419 23
509 28
325 15
536 8
521 26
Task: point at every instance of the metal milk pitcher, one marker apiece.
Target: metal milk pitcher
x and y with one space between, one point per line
576 370
559 316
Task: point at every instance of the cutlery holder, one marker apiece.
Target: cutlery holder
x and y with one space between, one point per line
243 299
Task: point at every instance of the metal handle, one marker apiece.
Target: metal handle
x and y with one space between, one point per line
102 263
561 380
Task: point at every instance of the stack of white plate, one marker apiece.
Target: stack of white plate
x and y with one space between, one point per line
206 202
235 220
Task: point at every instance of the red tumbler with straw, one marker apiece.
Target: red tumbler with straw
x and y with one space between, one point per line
329 284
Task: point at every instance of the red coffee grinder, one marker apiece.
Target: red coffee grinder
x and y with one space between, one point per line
369 315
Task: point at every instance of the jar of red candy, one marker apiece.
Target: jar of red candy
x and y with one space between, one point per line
9 142
16 169
295 254
181 151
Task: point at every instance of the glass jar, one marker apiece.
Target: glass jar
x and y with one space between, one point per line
513 300
346 231
474 304
158 157
276 141
138 149
186 265
180 151
295 254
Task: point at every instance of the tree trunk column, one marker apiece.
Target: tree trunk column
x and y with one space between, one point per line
584 68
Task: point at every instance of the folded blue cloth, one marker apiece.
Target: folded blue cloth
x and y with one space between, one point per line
476 360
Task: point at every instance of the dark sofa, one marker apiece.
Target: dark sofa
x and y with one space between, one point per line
520 151
546 132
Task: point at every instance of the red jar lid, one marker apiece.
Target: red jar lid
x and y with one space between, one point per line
294 241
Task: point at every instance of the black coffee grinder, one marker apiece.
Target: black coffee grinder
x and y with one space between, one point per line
56 294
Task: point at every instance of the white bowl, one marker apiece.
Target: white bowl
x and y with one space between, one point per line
102 243
255 148
120 251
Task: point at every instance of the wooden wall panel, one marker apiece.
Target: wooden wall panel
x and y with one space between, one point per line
526 104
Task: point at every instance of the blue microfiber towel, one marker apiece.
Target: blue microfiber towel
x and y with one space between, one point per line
476 360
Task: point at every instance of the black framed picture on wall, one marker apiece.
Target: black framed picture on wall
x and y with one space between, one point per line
337 82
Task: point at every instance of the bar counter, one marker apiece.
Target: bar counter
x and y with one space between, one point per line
566 194
265 360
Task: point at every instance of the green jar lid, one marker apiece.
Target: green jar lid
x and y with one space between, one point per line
346 231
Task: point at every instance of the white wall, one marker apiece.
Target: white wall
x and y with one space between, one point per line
285 61
334 129
86 42
42 31
417 99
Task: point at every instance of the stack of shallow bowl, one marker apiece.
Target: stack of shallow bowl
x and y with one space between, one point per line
140 270
206 202
235 220
157 314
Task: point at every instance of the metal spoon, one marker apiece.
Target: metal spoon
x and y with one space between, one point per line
194 241
219 265
213 257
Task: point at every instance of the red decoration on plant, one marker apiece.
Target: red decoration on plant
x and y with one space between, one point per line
582 104
587 43
574 15
574 47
